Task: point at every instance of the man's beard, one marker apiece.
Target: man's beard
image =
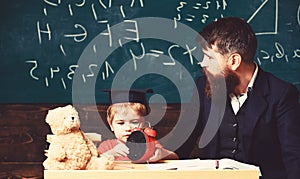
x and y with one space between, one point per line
214 83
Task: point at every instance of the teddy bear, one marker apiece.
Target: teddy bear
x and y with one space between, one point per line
69 148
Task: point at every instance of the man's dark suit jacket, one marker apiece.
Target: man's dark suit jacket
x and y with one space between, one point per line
271 135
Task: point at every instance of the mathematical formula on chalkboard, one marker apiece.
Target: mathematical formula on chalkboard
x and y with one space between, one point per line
51 35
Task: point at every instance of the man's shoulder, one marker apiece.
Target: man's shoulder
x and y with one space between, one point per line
201 81
274 80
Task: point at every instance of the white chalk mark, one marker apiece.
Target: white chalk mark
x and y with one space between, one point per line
94 48
218 5
272 58
189 20
141 3
103 21
155 53
48 31
51 3
33 68
45 11
134 30
91 74
63 83
103 76
120 43
296 53
267 56
181 4
52 71
83 78
286 58
83 35
152 54
207 5
46 82
190 17
72 71
108 33
176 19
81 4
122 11
108 68
258 60
224 4
257 10
102 4
62 49
173 62
189 52
70 10
275 21
135 57
94 12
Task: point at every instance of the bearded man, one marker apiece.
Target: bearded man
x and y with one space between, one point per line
258 118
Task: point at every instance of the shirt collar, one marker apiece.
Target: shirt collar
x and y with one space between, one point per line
251 83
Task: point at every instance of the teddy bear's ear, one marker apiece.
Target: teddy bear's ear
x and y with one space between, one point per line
49 116
52 115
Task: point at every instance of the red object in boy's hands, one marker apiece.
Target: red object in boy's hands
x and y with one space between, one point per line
141 144
150 132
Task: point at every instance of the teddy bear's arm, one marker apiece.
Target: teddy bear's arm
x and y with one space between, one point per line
92 147
57 152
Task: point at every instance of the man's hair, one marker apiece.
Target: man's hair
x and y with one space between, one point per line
231 35
122 108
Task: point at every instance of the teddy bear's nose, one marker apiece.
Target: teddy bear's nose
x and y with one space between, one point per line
73 118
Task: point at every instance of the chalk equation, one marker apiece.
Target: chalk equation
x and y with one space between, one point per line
279 54
108 70
199 11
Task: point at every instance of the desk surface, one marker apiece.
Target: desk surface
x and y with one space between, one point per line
128 170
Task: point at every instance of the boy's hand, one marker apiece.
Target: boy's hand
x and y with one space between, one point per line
119 150
162 153
158 154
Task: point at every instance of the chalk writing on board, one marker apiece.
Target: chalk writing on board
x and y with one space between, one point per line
275 30
108 69
280 54
186 11
199 12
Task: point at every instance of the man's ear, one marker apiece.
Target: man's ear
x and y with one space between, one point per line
235 61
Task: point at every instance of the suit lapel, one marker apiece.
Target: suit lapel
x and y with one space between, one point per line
256 106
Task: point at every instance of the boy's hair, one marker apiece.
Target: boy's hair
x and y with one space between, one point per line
230 35
113 109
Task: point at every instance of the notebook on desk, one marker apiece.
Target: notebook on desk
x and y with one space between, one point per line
197 164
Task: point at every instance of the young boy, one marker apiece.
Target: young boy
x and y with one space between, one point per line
122 118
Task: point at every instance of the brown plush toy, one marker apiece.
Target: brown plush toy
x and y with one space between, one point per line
69 148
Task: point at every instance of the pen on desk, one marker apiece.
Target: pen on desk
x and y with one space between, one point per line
217 164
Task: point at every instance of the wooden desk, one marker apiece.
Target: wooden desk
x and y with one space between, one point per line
128 170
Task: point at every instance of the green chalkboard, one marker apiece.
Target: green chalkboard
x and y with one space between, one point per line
56 51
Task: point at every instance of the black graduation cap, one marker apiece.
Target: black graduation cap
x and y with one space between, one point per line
129 95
